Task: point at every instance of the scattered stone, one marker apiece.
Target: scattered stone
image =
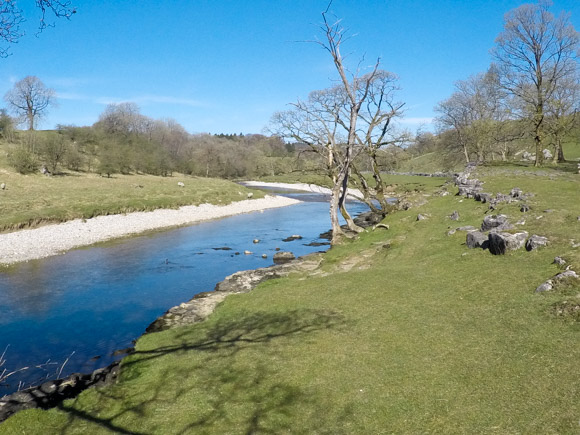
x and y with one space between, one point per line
264 256
277 249
421 217
535 242
283 257
246 252
549 210
3 186
566 275
525 208
368 219
547 154
516 192
315 244
451 232
496 222
180 184
256 241
545 286
250 195
477 239
292 238
522 221
500 243
384 226
559 261
454 216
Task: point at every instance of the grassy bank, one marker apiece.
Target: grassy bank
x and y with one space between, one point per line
30 200
405 330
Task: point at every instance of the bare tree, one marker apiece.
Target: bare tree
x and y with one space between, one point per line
344 121
30 99
535 53
11 19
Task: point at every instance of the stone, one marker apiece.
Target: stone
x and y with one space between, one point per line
525 208
466 228
497 222
256 241
516 192
292 238
483 197
264 256
421 217
536 242
566 275
454 216
3 186
180 184
283 257
476 239
246 252
384 226
545 286
547 154
559 261
500 243
250 195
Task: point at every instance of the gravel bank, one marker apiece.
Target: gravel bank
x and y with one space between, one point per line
353 193
50 240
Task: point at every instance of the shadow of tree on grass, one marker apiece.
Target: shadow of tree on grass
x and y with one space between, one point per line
223 375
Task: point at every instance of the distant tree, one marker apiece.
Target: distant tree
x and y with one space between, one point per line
123 118
535 53
30 100
54 150
11 18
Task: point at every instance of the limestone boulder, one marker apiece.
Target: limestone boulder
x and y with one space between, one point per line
476 239
536 242
501 242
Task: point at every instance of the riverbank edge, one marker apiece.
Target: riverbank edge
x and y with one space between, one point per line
51 393
33 244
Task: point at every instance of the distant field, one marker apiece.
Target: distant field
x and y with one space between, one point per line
31 200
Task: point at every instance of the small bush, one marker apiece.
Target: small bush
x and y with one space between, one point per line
24 161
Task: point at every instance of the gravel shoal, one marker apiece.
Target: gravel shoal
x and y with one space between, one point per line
314 188
50 240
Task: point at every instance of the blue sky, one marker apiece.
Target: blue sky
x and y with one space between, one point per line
226 66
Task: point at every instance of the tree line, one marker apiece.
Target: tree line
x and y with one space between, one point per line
125 141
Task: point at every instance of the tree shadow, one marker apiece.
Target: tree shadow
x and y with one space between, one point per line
226 379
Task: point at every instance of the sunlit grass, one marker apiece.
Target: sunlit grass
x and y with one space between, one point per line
29 200
419 334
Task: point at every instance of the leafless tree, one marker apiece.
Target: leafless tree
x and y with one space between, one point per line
535 53
30 99
11 19
344 121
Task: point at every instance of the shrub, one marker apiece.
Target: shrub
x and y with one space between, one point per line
23 160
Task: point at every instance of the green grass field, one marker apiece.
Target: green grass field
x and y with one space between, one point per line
31 200
404 330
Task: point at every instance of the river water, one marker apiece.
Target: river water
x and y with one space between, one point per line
83 306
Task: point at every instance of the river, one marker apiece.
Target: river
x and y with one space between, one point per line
83 306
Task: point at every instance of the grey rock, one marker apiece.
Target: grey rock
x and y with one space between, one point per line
559 261
283 257
292 238
516 192
525 208
466 228
547 154
500 243
499 222
454 216
545 286
536 242
421 217
451 232
476 239
566 275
